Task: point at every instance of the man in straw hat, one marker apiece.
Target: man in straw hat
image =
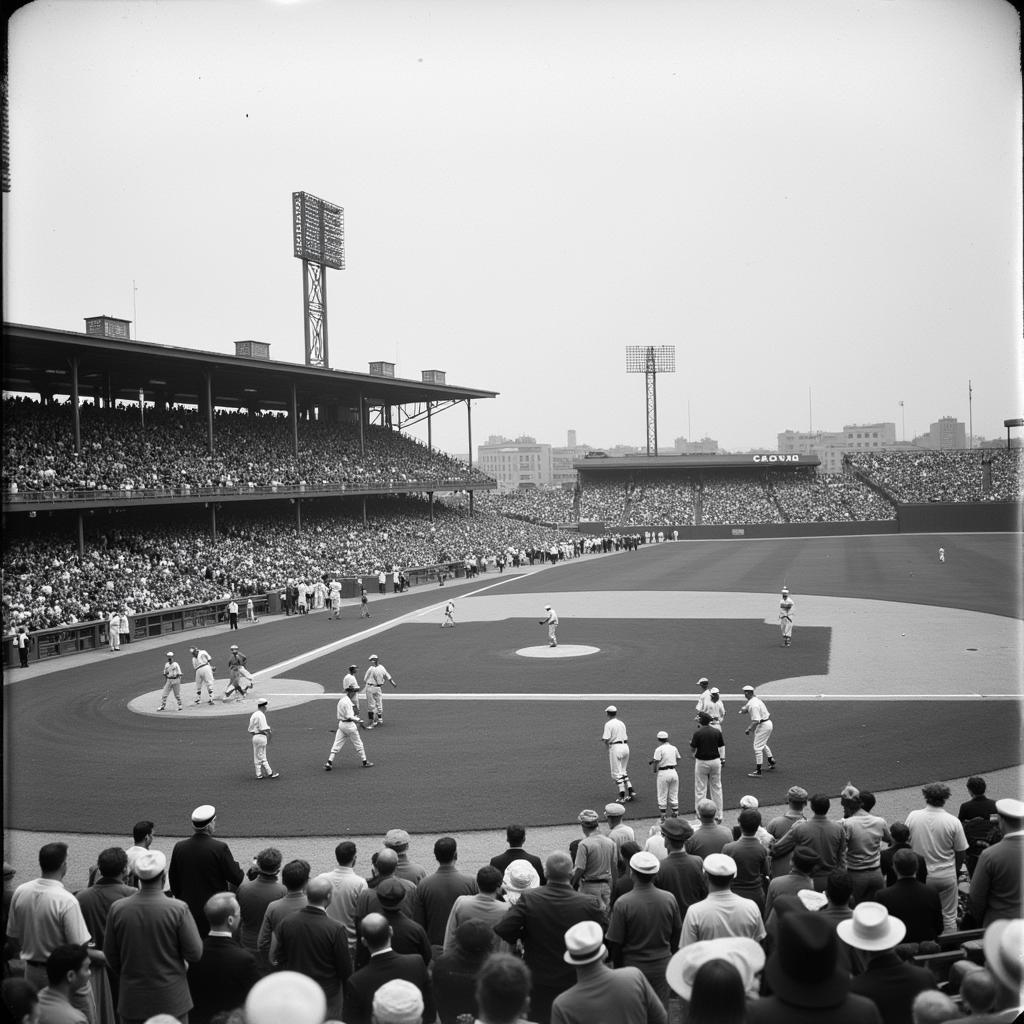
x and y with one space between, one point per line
622 995
887 981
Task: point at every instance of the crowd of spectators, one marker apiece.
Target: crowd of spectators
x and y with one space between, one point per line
980 474
815 917
550 505
169 452
168 561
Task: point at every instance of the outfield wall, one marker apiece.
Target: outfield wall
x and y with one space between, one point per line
952 517
750 529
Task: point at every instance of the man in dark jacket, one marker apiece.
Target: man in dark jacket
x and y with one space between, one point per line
515 835
540 920
916 905
224 974
202 866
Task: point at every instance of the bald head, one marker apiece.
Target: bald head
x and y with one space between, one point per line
319 891
219 910
932 1007
558 866
375 930
387 862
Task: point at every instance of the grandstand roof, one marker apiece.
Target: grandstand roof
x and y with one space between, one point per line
748 460
36 359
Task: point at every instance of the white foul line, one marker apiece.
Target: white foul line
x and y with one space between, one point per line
663 698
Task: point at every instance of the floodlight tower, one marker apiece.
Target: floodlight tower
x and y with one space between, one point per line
651 360
318 235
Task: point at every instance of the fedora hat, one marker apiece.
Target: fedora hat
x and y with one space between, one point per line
744 954
871 928
804 968
1004 950
584 944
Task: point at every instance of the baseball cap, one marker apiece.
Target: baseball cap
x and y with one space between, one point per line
796 793
748 802
662 735
397 838
614 810
391 893
587 817
352 668
644 863
611 709
170 654
547 607
714 689
373 657
748 687
262 702
703 681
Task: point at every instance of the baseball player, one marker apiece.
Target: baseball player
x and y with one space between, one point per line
786 618
204 674
704 699
250 611
335 600
351 681
761 723
617 742
374 679
172 681
239 675
942 554
260 734
348 725
665 761
364 602
552 623
449 615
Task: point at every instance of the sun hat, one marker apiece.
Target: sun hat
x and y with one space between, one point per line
520 875
744 954
644 863
872 928
804 969
584 944
1004 947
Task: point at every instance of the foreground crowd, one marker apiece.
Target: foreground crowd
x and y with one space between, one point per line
844 919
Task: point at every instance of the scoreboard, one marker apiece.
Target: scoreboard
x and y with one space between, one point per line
318 230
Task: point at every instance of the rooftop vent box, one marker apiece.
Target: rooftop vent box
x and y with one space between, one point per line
252 349
433 376
382 369
108 327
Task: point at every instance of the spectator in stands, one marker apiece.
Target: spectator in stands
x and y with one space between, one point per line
803 862
20 1001
285 996
295 876
806 980
436 894
515 835
887 981
1003 942
142 840
917 905
309 942
722 913
751 859
709 836
226 971
865 834
202 865
624 881
503 990
407 935
939 838
68 971
483 905
397 839
347 886
932 1007
150 939
977 815
455 972
796 799
900 841
996 889
826 837
258 890
681 873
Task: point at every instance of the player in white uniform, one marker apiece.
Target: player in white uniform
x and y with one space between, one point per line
239 677
348 725
376 676
449 615
761 723
335 599
260 734
172 681
665 761
704 699
204 674
942 554
617 742
786 618
552 623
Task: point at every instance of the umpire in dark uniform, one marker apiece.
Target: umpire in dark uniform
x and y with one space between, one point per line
202 866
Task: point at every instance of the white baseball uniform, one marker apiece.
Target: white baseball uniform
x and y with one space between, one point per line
666 761
260 732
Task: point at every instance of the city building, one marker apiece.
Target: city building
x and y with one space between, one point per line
705 446
831 445
515 463
948 434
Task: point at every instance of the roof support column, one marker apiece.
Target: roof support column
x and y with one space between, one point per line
81 534
75 412
298 515
469 431
362 413
213 521
209 414
430 445
295 420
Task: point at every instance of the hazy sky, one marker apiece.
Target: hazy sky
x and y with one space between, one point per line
815 197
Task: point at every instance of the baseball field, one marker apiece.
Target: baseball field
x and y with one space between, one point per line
902 670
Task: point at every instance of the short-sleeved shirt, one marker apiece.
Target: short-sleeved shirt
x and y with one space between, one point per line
43 916
716 709
706 743
643 921
595 856
258 722
614 731
936 836
720 915
345 710
666 756
757 710
376 675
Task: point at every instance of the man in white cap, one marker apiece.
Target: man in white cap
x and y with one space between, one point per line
996 885
149 941
617 742
762 724
722 912
704 698
204 674
202 865
645 925
889 982
348 726
172 682
374 679
786 618
398 1002
618 831
551 621
260 732
624 995
665 762
596 865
